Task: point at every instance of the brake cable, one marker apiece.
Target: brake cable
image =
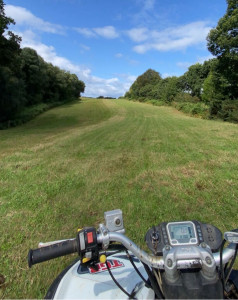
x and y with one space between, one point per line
221 265
136 269
117 283
222 273
155 286
231 265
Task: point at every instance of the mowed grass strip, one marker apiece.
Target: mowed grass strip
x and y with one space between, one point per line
62 170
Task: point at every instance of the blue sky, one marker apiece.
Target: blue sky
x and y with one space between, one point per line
108 43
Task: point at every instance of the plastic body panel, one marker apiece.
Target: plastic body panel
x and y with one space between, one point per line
77 283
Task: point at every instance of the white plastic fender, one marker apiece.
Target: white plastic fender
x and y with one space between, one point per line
79 283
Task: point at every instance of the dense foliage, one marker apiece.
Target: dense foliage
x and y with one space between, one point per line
29 85
223 43
209 89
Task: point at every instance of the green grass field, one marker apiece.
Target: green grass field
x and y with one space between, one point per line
72 163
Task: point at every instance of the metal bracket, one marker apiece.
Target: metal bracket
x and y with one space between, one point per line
114 221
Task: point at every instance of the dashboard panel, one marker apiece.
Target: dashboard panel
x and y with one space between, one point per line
182 233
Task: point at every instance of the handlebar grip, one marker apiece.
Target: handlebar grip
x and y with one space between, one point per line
56 250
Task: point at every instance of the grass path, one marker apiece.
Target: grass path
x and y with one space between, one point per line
69 165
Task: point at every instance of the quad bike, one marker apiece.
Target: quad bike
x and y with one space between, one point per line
189 260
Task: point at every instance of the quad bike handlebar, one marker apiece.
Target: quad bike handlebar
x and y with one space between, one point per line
178 249
181 257
53 250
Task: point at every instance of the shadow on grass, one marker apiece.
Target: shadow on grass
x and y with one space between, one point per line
31 113
59 118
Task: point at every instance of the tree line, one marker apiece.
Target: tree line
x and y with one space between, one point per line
209 89
28 84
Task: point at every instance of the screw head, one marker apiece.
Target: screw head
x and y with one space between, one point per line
208 260
203 245
118 221
167 248
169 263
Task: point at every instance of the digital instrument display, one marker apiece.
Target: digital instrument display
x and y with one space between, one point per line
182 233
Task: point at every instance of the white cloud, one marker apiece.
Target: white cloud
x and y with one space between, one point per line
173 38
169 39
29 39
118 55
138 34
113 87
146 14
85 47
133 62
149 4
108 32
22 16
141 49
95 86
86 32
29 28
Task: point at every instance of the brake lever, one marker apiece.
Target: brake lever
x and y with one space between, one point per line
46 244
231 237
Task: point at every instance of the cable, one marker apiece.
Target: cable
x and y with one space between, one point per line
113 253
221 265
136 269
159 279
231 265
154 284
120 287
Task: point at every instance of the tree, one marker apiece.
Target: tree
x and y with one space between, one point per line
34 74
146 91
192 80
223 43
61 85
26 79
9 43
223 40
74 86
149 77
11 85
209 88
169 89
12 94
139 89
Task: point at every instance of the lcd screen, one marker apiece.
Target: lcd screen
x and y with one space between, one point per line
181 232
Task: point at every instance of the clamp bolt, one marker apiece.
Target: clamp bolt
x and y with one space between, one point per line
208 260
117 221
203 245
169 263
167 247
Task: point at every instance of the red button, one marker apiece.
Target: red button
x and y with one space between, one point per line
90 237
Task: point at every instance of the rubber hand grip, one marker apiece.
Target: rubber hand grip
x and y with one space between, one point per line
53 251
